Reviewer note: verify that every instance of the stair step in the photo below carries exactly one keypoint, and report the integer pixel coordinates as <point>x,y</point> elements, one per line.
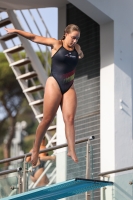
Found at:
<point>33,88</point>
<point>20,62</point>
<point>27,75</point>
<point>8,36</point>
<point>37,102</point>
<point>14,49</point>
<point>39,116</point>
<point>4,22</point>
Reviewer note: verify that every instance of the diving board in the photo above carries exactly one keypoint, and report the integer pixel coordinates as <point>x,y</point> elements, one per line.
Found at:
<point>61,190</point>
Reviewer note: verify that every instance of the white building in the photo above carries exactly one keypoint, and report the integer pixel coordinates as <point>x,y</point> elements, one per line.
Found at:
<point>104,85</point>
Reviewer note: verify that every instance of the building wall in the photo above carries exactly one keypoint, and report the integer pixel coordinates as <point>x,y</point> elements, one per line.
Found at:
<point>104,12</point>
<point>87,86</point>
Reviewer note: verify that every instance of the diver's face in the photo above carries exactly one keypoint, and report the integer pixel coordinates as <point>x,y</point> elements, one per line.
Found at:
<point>72,38</point>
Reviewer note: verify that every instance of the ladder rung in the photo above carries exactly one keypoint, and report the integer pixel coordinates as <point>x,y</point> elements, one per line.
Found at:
<point>33,88</point>
<point>39,116</point>
<point>8,36</point>
<point>20,62</point>
<point>52,128</point>
<point>27,75</point>
<point>14,49</point>
<point>37,102</point>
<point>5,22</point>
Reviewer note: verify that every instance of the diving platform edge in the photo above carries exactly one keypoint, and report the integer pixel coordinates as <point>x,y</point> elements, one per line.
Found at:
<point>61,190</point>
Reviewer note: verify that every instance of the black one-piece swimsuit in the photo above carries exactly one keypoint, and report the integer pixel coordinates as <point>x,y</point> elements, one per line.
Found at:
<point>63,68</point>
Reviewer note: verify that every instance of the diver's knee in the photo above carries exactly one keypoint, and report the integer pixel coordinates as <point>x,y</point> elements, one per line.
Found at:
<point>46,120</point>
<point>69,120</point>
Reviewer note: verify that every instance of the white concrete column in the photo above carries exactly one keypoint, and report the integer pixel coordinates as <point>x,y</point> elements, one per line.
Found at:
<point>107,97</point>
<point>107,110</point>
<point>61,154</point>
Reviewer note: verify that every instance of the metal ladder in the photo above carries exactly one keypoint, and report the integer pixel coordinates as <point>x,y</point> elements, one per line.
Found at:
<point>28,70</point>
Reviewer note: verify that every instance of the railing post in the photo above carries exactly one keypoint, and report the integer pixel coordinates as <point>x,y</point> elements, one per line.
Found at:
<point>19,179</point>
<point>24,175</point>
<point>88,197</point>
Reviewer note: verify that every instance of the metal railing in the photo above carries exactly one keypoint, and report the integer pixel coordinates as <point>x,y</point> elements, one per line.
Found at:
<point>47,150</point>
<point>120,184</point>
<point>115,171</point>
<point>22,171</point>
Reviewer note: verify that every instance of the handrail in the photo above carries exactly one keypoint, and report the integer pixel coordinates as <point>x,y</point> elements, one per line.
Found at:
<point>115,171</point>
<point>46,150</point>
<point>10,171</point>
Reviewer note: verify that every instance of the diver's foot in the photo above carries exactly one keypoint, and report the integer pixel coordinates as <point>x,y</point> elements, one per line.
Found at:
<point>34,158</point>
<point>68,154</point>
<point>73,156</point>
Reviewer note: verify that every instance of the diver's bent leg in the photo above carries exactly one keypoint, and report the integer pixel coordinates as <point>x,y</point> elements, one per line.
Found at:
<point>52,99</point>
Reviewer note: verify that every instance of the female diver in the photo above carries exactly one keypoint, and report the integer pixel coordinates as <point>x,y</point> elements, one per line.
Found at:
<point>59,88</point>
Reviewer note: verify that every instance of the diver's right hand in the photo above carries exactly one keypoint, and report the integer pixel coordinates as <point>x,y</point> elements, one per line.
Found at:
<point>10,30</point>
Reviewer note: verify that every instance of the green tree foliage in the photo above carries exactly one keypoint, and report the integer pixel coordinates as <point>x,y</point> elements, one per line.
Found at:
<point>11,97</point>
<point>10,92</point>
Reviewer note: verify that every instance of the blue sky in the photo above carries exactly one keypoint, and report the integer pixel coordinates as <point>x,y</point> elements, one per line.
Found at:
<point>50,17</point>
